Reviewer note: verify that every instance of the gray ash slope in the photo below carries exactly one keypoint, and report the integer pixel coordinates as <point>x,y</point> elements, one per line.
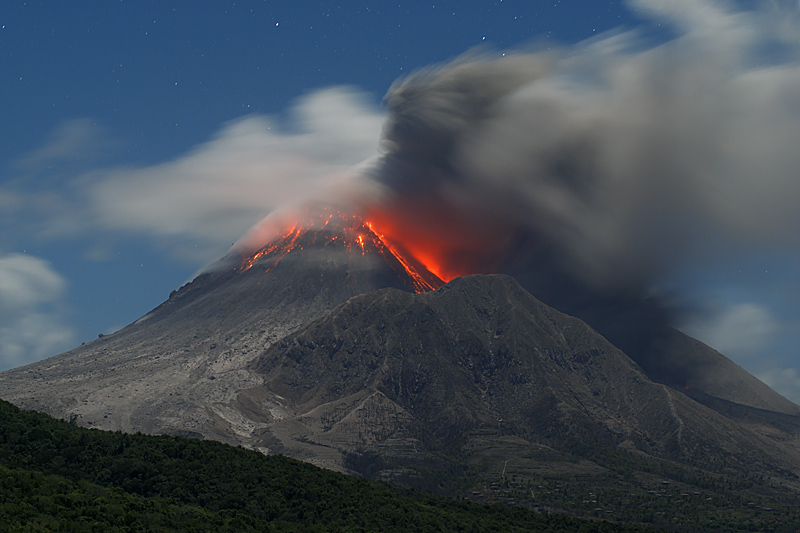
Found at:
<point>640,327</point>
<point>300,355</point>
<point>480,369</point>
<point>177,369</point>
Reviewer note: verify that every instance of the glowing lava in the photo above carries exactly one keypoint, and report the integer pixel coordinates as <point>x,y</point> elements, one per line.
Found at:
<point>351,232</point>
<point>419,281</point>
<point>450,241</point>
<point>282,247</point>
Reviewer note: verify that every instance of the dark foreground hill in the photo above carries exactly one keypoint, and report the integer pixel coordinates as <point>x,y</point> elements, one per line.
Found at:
<point>57,476</point>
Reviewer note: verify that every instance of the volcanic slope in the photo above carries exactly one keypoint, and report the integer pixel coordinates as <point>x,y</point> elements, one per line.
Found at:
<point>639,326</point>
<point>480,371</point>
<point>177,369</point>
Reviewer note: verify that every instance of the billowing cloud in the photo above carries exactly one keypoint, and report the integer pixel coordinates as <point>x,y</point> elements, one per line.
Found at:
<point>626,161</point>
<point>603,169</point>
<point>32,325</point>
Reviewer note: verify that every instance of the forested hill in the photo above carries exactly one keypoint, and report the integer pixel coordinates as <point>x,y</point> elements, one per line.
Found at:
<point>56,475</point>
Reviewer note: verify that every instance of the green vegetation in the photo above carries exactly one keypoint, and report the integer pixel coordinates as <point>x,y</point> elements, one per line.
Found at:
<point>33,501</point>
<point>649,501</point>
<point>57,476</point>
<point>650,492</point>
<point>611,485</point>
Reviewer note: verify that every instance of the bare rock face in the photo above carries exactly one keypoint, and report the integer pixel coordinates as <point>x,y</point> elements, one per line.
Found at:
<point>325,347</point>
<point>682,361</point>
<point>179,368</point>
<point>411,378</point>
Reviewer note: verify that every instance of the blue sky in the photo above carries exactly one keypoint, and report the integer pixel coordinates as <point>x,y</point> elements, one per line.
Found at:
<point>141,139</point>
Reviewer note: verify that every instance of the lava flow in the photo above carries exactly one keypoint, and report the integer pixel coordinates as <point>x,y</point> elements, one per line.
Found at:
<point>354,234</point>
<point>450,240</point>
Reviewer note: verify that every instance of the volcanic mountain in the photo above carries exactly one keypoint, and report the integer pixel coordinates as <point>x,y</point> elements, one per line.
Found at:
<point>335,346</point>
<point>178,368</point>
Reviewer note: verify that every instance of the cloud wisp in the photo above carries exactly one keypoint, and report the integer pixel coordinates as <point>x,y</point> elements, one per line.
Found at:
<point>739,331</point>
<point>783,380</point>
<point>32,324</point>
<point>196,205</point>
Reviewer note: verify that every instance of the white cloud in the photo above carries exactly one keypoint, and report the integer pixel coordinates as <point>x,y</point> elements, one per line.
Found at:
<point>213,194</point>
<point>786,381</point>
<point>741,331</point>
<point>72,141</point>
<point>199,203</point>
<point>31,303</point>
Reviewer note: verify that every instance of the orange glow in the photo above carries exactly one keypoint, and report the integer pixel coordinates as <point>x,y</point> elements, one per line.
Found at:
<point>449,241</point>
<point>282,246</point>
<point>419,282</point>
<point>354,234</point>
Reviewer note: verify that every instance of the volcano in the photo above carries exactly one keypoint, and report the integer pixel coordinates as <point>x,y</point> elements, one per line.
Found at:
<point>334,345</point>
<point>176,369</point>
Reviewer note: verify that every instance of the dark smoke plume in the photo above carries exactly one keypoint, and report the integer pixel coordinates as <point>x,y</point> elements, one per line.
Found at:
<point>591,174</point>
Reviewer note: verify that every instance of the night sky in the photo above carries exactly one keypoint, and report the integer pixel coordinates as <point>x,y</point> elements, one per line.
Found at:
<point>134,134</point>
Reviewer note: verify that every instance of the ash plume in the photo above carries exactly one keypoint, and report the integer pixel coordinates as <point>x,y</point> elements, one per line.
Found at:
<point>625,161</point>
<point>593,172</point>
